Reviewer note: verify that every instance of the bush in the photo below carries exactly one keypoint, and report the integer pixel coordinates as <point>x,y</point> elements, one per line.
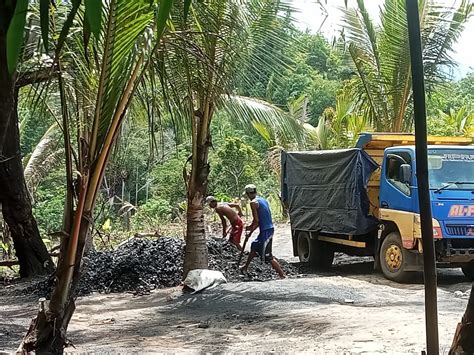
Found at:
<point>233,165</point>
<point>151,214</point>
<point>49,199</point>
<point>168,184</point>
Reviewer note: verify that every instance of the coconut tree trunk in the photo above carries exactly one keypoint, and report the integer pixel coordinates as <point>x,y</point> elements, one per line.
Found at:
<point>31,252</point>
<point>47,332</point>
<point>463,342</point>
<point>195,256</point>
<point>16,206</point>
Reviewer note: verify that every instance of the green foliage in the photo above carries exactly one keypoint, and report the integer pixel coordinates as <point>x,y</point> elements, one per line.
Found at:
<point>167,179</point>
<point>44,20</point>
<point>222,197</point>
<point>32,128</point>
<point>305,80</point>
<point>233,165</point>
<point>452,95</point>
<point>315,70</point>
<point>151,214</point>
<point>293,70</point>
<point>453,123</point>
<point>93,15</point>
<point>337,127</point>
<point>49,202</point>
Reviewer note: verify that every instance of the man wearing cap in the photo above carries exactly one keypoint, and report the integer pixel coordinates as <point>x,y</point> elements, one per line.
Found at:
<point>226,210</point>
<point>262,219</point>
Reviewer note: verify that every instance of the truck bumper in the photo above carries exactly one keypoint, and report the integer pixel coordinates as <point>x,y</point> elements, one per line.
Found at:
<point>450,253</point>
<point>455,251</point>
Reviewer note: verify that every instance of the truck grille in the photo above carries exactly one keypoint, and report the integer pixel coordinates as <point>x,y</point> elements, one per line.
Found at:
<point>456,229</point>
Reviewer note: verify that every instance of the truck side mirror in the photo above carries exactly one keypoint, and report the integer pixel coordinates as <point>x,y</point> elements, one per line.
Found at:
<point>405,173</point>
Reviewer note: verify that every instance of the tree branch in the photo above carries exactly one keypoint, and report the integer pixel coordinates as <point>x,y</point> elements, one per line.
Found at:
<point>36,76</point>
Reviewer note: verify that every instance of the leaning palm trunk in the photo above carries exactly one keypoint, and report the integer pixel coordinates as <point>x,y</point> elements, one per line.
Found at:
<point>463,342</point>
<point>30,250</point>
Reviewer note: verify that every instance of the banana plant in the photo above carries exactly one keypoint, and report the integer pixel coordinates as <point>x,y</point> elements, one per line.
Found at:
<point>103,88</point>
<point>462,120</point>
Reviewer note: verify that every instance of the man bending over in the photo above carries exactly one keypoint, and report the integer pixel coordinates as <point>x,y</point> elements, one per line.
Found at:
<point>226,211</point>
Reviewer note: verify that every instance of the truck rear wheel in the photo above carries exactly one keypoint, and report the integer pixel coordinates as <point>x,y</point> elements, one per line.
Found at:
<point>314,252</point>
<point>468,270</point>
<point>392,258</point>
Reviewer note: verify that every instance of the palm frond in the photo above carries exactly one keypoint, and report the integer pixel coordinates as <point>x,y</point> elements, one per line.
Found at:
<point>127,22</point>
<point>381,56</point>
<point>318,136</point>
<point>251,112</point>
<point>203,58</point>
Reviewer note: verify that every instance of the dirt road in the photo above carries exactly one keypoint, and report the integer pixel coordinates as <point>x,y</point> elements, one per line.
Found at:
<point>350,309</point>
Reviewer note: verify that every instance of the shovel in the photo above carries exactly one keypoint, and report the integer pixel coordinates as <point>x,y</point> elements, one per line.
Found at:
<point>247,236</point>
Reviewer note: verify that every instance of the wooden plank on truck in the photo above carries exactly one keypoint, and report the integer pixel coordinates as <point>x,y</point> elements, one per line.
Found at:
<point>351,243</point>
<point>375,141</point>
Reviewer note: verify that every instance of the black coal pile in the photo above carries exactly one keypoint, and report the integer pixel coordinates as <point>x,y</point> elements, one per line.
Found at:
<point>139,265</point>
<point>142,265</point>
<point>223,257</point>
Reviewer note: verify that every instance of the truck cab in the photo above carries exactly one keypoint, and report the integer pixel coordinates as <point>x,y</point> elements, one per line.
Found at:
<point>451,180</point>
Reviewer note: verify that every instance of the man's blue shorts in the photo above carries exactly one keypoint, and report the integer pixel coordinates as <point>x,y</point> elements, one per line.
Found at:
<point>263,245</point>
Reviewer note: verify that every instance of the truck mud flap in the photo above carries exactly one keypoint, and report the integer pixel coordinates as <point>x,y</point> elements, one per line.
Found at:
<point>413,261</point>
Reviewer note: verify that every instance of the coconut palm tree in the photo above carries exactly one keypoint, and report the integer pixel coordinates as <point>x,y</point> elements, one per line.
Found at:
<point>199,64</point>
<point>380,56</point>
<point>102,88</point>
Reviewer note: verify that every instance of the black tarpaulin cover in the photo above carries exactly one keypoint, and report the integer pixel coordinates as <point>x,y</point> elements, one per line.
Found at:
<point>327,190</point>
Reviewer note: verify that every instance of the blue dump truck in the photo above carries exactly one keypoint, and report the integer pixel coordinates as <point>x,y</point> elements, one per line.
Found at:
<point>364,202</point>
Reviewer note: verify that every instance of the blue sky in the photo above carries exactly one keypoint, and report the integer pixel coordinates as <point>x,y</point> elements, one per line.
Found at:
<point>310,16</point>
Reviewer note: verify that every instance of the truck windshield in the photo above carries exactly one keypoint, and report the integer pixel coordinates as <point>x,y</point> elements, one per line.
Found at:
<point>451,169</point>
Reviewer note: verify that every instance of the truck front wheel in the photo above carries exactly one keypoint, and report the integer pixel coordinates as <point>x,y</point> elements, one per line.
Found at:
<point>392,258</point>
<point>468,270</point>
<point>314,252</point>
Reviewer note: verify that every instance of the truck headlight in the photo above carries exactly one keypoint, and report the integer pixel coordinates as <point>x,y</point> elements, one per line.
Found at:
<point>437,233</point>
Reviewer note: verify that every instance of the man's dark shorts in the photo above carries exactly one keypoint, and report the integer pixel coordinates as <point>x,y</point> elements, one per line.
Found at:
<point>263,245</point>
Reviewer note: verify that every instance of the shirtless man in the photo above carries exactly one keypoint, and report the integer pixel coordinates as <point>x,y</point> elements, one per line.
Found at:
<point>226,211</point>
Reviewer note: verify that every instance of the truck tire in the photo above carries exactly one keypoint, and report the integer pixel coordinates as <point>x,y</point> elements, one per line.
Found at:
<point>306,248</point>
<point>314,252</point>
<point>392,258</point>
<point>468,270</point>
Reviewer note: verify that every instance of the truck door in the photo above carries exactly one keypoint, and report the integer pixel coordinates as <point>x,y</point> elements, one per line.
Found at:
<point>396,194</point>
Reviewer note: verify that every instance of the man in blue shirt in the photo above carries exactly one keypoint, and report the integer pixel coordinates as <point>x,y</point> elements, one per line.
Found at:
<point>261,219</point>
